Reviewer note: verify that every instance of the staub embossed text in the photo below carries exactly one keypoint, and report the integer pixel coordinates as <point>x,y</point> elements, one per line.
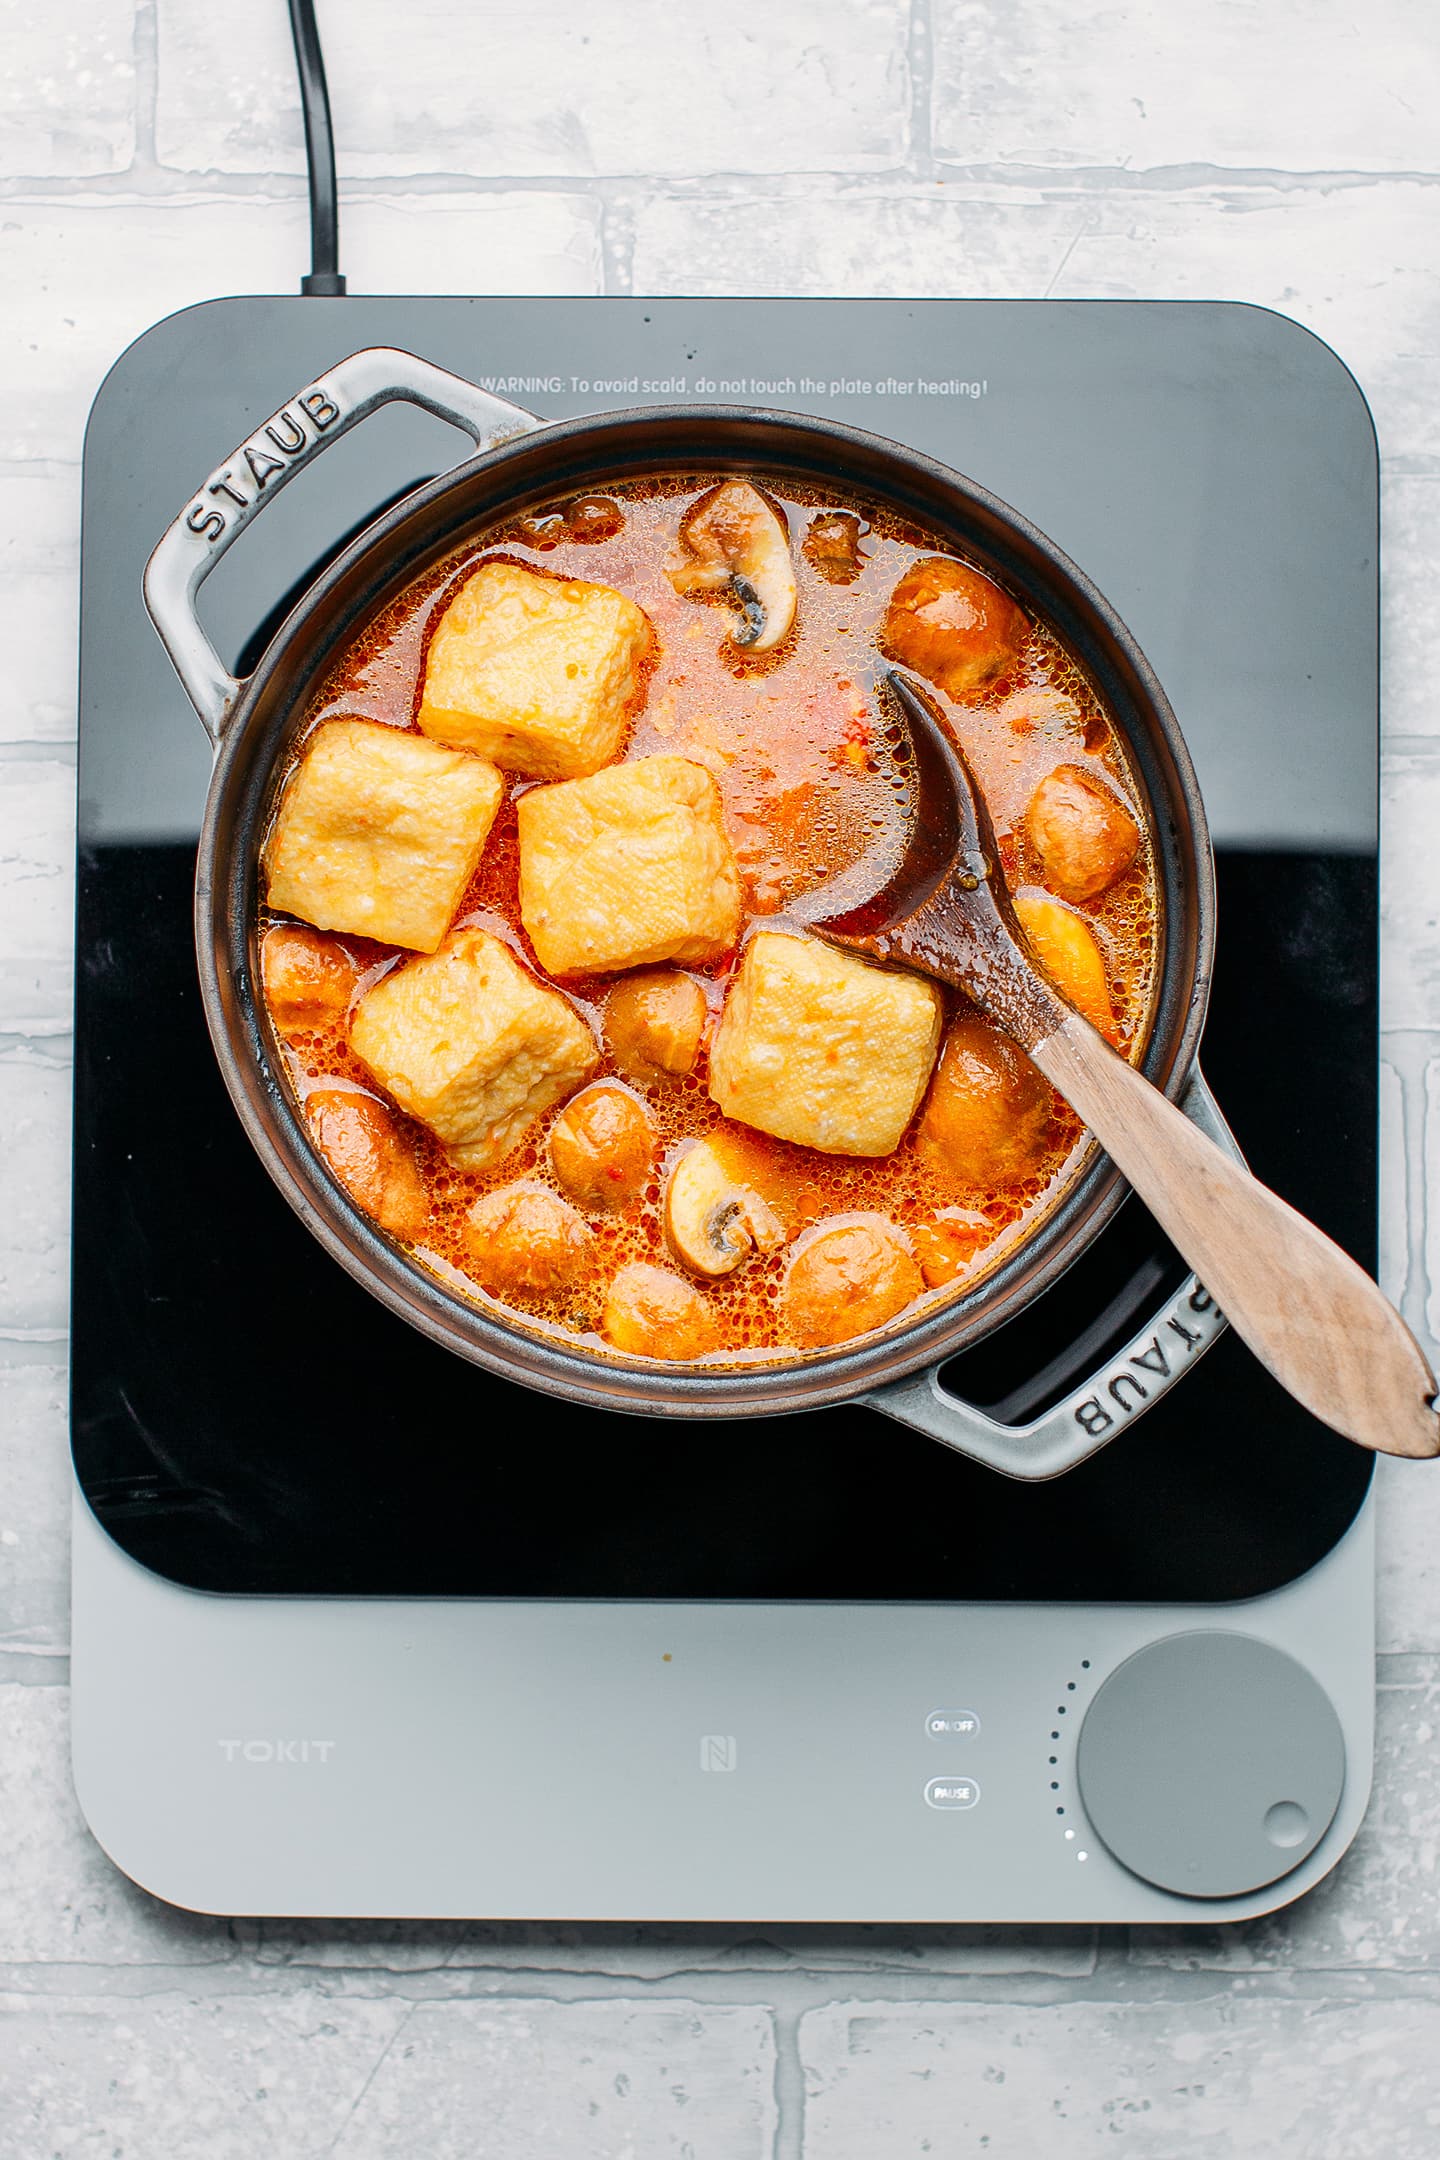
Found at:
<point>1191,1324</point>
<point>272,449</point>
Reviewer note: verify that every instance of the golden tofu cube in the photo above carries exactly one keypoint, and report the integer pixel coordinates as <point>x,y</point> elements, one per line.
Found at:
<point>626,868</point>
<point>379,833</point>
<point>469,1043</point>
<point>823,1049</point>
<point>540,674</point>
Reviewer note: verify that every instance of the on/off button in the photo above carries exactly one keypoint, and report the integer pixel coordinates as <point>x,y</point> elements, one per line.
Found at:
<point>952,1724</point>
<point>951,1792</point>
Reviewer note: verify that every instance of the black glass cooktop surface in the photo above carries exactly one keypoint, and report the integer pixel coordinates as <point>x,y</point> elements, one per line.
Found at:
<point>245,1418</point>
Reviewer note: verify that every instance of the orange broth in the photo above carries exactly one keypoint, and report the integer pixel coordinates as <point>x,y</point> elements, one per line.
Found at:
<point>792,741</point>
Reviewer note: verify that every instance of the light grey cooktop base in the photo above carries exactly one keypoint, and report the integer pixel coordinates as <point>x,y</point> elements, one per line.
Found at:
<point>536,1760</point>
<point>804,1762</point>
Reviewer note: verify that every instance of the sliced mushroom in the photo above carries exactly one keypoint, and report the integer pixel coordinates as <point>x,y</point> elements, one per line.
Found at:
<point>734,539</point>
<point>712,1222</point>
<point>832,546</point>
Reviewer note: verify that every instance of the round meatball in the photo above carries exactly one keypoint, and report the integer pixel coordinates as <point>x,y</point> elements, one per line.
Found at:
<point>651,1313</point>
<point>1084,835</point>
<point>602,1147</point>
<point>1067,950</point>
<point>987,1119</point>
<point>846,1280</point>
<point>364,1146</point>
<point>524,1241</point>
<point>653,1024</point>
<point>952,626</point>
<point>307,978</point>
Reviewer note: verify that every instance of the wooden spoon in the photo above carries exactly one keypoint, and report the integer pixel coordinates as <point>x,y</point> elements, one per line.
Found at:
<point>1309,1312</point>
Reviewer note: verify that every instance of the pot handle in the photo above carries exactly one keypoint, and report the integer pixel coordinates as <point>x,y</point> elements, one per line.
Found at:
<point>238,491</point>
<point>1130,1381</point>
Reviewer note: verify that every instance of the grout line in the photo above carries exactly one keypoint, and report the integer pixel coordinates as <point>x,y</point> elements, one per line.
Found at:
<point>47,468</point>
<point>920,62</point>
<point>20,1667</point>
<point>1400,1669</point>
<point>32,1350</point>
<point>1184,178</point>
<point>147,86</point>
<point>58,750</point>
<point>1159,1986</point>
<point>618,219</point>
<point>789,2085</point>
<point>1414,1197</point>
<point>48,1040</point>
<point>149,180</point>
<point>1408,1052</point>
<point>1423,1141</point>
<point>1406,1057</point>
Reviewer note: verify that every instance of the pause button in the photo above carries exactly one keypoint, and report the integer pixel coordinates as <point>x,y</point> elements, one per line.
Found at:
<point>952,1792</point>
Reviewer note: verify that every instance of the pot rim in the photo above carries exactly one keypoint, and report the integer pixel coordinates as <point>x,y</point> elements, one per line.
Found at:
<point>362,575</point>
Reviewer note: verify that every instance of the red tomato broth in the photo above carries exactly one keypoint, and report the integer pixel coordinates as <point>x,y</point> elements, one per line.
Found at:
<point>790,738</point>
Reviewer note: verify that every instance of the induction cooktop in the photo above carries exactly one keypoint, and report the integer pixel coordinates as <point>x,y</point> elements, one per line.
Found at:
<point>361,1628</point>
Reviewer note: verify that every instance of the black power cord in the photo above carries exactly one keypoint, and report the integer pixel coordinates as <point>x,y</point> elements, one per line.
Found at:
<point>324,275</point>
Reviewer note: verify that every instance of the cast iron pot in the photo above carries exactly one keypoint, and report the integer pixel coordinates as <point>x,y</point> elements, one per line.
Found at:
<point>519,461</point>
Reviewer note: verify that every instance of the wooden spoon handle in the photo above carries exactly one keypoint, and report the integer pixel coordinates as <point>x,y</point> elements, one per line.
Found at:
<point>1308,1311</point>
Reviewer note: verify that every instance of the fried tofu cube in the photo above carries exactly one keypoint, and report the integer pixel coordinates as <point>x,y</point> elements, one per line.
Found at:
<point>823,1049</point>
<point>539,674</point>
<point>627,868</point>
<point>379,833</point>
<point>469,1043</point>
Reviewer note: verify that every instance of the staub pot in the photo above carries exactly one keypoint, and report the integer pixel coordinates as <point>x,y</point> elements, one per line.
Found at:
<point>519,461</point>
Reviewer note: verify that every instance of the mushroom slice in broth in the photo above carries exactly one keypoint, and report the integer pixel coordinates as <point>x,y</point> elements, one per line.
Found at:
<point>713,1222</point>
<point>733,539</point>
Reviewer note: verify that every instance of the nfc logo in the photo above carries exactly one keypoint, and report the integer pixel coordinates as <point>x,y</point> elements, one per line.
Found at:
<point>717,1751</point>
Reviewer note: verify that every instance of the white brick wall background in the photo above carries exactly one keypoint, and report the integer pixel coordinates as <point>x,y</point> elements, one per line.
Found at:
<point>1280,151</point>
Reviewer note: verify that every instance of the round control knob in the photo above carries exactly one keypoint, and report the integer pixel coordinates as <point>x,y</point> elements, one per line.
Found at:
<point>1211,1764</point>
